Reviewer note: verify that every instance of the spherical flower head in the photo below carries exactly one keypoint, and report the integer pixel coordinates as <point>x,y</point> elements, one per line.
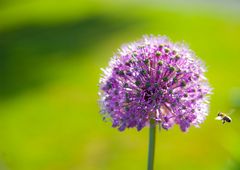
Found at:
<point>154,78</point>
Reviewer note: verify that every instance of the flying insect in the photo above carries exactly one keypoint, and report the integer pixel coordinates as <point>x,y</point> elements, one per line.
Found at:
<point>223,117</point>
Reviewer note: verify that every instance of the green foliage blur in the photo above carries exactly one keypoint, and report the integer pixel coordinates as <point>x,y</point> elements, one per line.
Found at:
<point>51,53</point>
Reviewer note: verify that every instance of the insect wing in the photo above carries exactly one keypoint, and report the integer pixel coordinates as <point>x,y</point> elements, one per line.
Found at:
<point>231,111</point>
<point>218,118</point>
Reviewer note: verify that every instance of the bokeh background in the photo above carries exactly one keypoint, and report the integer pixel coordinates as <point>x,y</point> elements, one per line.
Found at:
<point>51,53</point>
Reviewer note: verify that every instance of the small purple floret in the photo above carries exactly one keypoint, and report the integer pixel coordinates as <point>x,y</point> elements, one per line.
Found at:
<point>154,78</point>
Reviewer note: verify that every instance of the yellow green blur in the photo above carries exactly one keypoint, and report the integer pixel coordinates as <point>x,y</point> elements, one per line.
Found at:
<point>51,53</point>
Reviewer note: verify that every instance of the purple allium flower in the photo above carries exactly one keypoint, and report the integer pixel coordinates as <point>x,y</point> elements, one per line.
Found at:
<point>154,78</point>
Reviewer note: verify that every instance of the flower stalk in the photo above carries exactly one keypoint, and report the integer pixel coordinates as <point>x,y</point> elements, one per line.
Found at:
<point>151,146</point>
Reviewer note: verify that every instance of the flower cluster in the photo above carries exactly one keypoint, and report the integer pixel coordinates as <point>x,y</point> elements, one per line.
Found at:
<point>154,78</point>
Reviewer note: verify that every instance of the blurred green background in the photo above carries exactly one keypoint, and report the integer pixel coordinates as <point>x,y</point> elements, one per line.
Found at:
<point>51,53</point>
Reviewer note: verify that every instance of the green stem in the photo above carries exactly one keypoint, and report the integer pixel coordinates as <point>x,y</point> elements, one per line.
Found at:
<point>151,146</point>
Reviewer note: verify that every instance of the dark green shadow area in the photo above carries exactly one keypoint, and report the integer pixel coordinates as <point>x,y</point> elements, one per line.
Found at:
<point>27,51</point>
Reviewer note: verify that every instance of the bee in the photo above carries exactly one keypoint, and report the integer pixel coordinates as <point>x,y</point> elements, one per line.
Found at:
<point>223,117</point>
